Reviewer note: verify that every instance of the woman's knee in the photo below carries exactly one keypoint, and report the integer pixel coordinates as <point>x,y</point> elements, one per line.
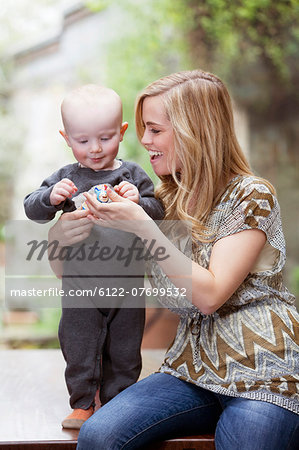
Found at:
<point>94,436</point>
<point>251,425</point>
<point>85,439</point>
<point>113,424</point>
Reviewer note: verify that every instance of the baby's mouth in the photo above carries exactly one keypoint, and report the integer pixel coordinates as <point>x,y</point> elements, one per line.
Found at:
<point>95,159</point>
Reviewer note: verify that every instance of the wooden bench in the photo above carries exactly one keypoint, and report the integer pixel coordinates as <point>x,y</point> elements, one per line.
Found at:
<point>34,400</point>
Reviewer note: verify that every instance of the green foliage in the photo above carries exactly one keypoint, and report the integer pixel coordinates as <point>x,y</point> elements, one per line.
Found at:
<point>48,321</point>
<point>2,236</point>
<point>250,28</point>
<point>97,5</point>
<point>252,44</point>
<point>295,281</point>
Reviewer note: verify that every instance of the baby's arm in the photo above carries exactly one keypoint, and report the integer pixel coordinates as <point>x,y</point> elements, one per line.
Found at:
<point>127,190</point>
<point>37,204</point>
<point>151,205</point>
<point>61,191</point>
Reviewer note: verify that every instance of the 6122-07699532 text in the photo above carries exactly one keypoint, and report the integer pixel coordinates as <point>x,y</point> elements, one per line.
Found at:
<point>99,291</point>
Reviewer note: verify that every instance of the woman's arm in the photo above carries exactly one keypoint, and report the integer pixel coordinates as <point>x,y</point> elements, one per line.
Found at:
<point>70,229</point>
<point>231,259</point>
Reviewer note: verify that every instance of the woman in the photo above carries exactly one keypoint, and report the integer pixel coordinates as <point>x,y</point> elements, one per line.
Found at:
<point>233,366</point>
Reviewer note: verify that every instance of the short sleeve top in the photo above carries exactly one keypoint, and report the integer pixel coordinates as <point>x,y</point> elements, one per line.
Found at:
<point>249,346</point>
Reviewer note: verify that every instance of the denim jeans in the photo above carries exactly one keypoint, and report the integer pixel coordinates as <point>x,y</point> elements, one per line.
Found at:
<point>162,407</point>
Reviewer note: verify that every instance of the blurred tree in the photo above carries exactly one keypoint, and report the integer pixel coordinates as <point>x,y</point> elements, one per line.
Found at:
<point>253,45</point>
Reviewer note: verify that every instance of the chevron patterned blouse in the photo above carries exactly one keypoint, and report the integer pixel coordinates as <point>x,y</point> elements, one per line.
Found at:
<point>249,347</point>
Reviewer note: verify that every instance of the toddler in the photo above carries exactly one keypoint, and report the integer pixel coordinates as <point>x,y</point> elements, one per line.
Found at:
<point>101,345</point>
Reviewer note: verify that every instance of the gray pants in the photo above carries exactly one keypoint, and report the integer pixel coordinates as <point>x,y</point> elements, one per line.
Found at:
<point>101,347</point>
<point>100,335</point>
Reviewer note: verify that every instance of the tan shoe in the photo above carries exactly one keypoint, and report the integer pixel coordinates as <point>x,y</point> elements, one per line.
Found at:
<point>77,418</point>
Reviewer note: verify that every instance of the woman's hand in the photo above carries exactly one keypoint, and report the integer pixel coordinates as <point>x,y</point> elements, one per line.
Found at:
<point>121,213</point>
<point>71,228</point>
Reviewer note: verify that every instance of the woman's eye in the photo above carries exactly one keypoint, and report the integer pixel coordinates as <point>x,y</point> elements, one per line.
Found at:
<point>154,131</point>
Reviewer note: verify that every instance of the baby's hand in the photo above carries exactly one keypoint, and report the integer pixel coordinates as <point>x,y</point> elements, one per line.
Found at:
<point>127,190</point>
<point>62,190</point>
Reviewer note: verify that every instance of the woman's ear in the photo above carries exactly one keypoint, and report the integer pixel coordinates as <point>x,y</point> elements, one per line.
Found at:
<point>123,129</point>
<point>65,136</point>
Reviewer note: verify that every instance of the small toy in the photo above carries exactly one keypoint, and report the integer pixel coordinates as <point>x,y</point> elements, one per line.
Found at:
<point>99,191</point>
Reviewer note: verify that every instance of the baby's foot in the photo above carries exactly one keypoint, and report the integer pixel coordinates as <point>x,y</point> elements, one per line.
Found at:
<point>77,418</point>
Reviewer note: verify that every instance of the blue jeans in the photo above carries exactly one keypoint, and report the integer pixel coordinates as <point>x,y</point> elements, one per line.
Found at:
<point>162,407</point>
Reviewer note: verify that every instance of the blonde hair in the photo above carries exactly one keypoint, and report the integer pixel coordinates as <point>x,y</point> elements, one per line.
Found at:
<point>199,108</point>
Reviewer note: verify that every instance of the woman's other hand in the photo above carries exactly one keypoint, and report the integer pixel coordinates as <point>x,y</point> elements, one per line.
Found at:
<point>71,228</point>
<point>121,213</point>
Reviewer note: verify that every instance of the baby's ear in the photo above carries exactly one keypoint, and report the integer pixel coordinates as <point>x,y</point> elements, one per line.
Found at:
<point>65,136</point>
<point>123,129</point>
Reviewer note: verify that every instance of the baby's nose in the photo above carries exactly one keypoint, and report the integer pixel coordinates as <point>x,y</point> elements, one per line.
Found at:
<point>96,146</point>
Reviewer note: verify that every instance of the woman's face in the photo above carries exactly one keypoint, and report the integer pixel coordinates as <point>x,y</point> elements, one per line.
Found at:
<point>158,136</point>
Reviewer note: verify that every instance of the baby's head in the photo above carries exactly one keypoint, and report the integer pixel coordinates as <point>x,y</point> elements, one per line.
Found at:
<point>93,127</point>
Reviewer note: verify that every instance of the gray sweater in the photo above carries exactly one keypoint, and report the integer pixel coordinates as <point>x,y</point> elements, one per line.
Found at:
<point>37,204</point>
<point>94,271</point>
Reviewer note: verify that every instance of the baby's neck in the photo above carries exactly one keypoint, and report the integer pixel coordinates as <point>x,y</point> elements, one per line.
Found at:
<point>116,165</point>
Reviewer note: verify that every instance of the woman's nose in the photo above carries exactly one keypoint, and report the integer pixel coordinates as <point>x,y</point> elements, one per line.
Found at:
<point>145,138</point>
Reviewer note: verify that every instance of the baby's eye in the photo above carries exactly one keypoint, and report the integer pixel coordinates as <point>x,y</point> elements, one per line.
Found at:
<point>83,141</point>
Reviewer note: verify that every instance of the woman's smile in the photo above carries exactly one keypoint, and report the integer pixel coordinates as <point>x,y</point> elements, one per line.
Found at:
<point>154,155</point>
<point>158,138</point>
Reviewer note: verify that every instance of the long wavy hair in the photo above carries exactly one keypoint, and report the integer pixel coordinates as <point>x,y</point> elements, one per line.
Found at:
<point>199,108</point>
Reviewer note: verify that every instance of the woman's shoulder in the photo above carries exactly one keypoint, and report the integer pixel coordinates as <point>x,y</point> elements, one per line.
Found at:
<point>246,187</point>
<point>249,202</point>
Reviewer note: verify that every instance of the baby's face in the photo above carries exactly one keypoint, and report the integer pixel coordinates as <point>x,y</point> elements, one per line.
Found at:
<point>94,133</point>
